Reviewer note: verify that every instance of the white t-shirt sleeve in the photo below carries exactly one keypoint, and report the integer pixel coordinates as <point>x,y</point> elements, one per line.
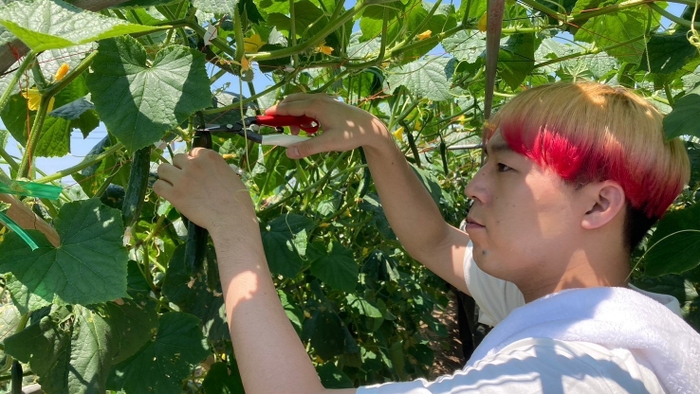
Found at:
<point>539,365</point>
<point>496,297</point>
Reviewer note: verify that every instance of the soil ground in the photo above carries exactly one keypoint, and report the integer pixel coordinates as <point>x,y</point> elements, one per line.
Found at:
<point>448,351</point>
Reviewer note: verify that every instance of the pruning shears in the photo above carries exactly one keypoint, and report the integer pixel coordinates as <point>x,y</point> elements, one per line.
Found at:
<point>196,245</point>
<point>249,126</point>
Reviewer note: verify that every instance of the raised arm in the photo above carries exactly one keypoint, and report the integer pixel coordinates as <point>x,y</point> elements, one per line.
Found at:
<point>411,211</point>
<point>271,357</point>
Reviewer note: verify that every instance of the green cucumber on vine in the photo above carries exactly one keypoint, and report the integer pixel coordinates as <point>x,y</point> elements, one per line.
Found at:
<point>138,184</point>
<point>366,179</point>
<point>197,237</point>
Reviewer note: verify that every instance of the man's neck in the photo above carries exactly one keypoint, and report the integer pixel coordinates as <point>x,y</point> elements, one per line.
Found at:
<point>584,270</point>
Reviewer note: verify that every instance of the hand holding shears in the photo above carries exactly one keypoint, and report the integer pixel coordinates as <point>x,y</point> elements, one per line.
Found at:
<point>196,245</point>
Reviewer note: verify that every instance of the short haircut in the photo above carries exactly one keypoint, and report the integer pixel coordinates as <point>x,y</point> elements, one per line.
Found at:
<point>587,132</point>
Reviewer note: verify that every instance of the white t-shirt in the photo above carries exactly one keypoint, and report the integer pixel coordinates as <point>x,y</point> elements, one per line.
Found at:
<point>534,365</point>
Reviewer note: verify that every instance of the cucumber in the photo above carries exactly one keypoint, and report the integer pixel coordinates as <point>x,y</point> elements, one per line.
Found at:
<point>197,237</point>
<point>195,247</point>
<point>17,376</point>
<point>366,179</point>
<point>138,184</point>
<point>113,196</point>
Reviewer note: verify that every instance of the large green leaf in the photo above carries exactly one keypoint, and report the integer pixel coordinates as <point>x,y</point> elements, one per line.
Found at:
<point>139,102</point>
<point>284,240</point>
<point>612,30</point>
<point>466,46</point>
<point>88,267</point>
<point>675,245</point>
<point>325,331</point>
<point>667,53</point>
<point>685,117</point>
<point>194,294</point>
<point>55,133</point>
<point>363,307</point>
<point>332,377</point>
<point>162,365</point>
<point>9,321</point>
<point>223,379</point>
<point>5,35</point>
<point>22,298</point>
<point>132,323</point>
<point>45,345</point>
<point>72,352</point>
<point>216,6</point>
<point>52,24</point>
<point>516,58</point>
<point>426,78</point>
<point>419,17</point>
<point>336,267</point>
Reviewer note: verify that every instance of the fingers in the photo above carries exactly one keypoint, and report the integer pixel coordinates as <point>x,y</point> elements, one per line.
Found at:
<point>163,188</point>
<point>309,147</point>
<point>172,173</point>
<point>298,104</point>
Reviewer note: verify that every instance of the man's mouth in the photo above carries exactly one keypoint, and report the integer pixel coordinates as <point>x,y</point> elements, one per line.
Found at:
<point>473,223</point>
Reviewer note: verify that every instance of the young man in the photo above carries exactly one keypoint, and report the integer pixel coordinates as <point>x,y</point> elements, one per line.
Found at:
<point>575,175</point>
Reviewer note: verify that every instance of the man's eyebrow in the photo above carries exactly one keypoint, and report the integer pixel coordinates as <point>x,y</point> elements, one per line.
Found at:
<point>490,149</point>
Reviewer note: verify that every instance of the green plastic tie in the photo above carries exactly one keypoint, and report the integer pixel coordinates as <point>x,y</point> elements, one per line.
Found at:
<point>31,189</point>
<point>12,225</point>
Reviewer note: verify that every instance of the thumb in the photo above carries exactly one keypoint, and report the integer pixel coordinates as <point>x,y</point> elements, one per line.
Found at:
<point>304,149</point>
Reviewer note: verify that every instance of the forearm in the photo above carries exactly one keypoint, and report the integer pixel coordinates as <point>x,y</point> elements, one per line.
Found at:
<point>411,211</point>
<point>270,355</point>
<point>401,193</point>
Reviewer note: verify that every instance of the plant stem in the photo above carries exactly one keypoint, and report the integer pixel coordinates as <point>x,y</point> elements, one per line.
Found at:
<point>236,105</point>
<point>238,33</point>
<point>82,165</point>
<point>71,76</point>
<point>669,95</point>
<point>325,178</point>
<point>293,32</point>
<point>588,52</point>
<point>543,8</point>
<point>28,60</point>
<point>671,17</point>
<point>8,159</point>
<point>26,163</point>
<point>313,41</point>
<point>583,16</point>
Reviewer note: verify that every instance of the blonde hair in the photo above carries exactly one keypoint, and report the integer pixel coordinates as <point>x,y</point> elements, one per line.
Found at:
<point>587,132</point>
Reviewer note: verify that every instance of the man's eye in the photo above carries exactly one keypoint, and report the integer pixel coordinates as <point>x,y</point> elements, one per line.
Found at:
<point>503,168</point>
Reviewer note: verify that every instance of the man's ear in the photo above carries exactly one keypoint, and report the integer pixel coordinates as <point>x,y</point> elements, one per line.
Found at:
<point>605,201</point>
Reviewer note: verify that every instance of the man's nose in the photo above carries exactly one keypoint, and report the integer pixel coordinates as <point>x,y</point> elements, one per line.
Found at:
<point>476,188</point>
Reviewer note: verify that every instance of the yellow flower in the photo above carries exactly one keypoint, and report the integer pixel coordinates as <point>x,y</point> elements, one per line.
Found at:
<point>34,99</point>
<point>245,64</point>
<point>424,35</point>
<point>398,134</point>
<point>324,49</point>
<point>461,119</point>
<point>253,44</point>
<point>62,71</point>
<point>483,22</point>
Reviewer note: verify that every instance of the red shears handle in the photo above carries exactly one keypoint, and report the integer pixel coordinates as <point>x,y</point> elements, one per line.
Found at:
<point>309,125</point>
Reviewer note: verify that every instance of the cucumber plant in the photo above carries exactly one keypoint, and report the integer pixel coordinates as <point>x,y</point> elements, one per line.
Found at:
<point>116,306</point>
